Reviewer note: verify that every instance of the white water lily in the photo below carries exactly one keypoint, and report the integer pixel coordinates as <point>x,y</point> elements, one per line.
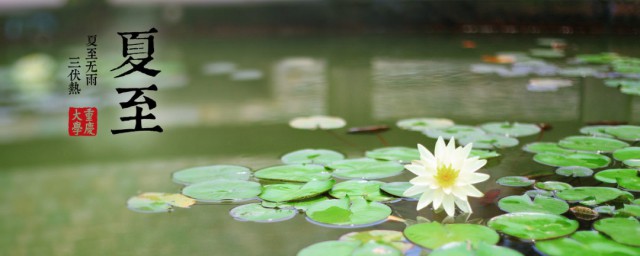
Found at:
<point>446,177</point>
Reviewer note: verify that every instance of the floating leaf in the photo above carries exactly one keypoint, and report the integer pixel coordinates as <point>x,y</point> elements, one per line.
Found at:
<point>596,130</point>
<point>605,209</point>
<point>291,192</point>
<point>625,132</point>
<point>301,205</point>
<point>398,189</point>
<point>547,84</point>
<point>257,213</point>
<point>585,243</point>
<point>153,202</point>
<point>483,154</point>
<point>370,190</point>
<point>365,168</point>
<point>622,230</point>
<point>541,204</point>
<point>635,163</point>
<point>213,172</point>
<point>533,226</point>
<point>630,210</point>
<point>223,190</point>
<point>433,235</point>
<point>511,129</point>
<point>294,173</point>
<point>388,237</point>
<point>631,90</point>
<point>591,195</point>
<point>552,185</point>
<point>584,213</point>
<point>489,141</point>
<point>592,144</point>
<point>545,147</point>
<point>515,181</point>
<point>457,131</point>
<point>588,160</point>
<point>421,124</point>
<point>402,154</point>
<point>630,153</point>
<point>574,171</point>
<point>578,72</point>
<point>337,248</point>
<point>348,212</point>
<point>479,249</point>
<point>317,122</point>
<point>374,248</point>
<point>536,192</point>
<point>311,156</point>
<point>546,53</point>
<point>626,178</point>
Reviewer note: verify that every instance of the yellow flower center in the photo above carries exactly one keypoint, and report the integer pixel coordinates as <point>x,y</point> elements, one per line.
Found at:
<point>446,176</point>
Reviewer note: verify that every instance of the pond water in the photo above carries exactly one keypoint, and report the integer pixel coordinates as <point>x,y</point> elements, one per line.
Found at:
<point>67,196</point>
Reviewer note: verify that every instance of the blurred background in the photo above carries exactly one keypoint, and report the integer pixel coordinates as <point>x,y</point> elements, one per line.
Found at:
<point>234,72</point>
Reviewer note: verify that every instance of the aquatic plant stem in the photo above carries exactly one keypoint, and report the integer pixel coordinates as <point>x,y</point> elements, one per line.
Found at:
<point>384,142</point>
<point>343,140</point>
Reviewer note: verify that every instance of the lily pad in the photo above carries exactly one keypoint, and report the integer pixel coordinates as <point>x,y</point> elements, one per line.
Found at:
<point>537,192</point>
<point>457,131</point>
<point>421,124</point>
<point>489,141</point>
<point>515,181</point>
<point>574,171</point>
<point>388,237</point>
<point>622,230</point>
<point>477,249</point>
<point>291,192</point>
<point>589,160</point>
<point>630,210</point>
<point>541,204</point>
<point>585,243</point>
<point>337,248</point>
<point>635,163</point>
<point>365,168</point>
<point>398,189</point>
<point>257,213</point>
<point>312,156</point>
<point>433,234</point>
<point>592,144</point>
<point>213,172</point>
<point>402,154</point>
<point>370,190</point>
<point>348,212</point>
<point>625,132</point>
<point>374,248</point>
<point>552,185</point>
<point>293,173</point>
<point>546,147</point>
<point>631,90</point>
<point>317,122</point>
<point>301,205</point>
<point>533,226</point>
<point>223,191</point>
<point>153,202</point>
<point>591,195</point>
<point>511,129</point>
<point>626,178</point>
<point>596,130</point>
<point>483,154</point>
<point>627,154</point>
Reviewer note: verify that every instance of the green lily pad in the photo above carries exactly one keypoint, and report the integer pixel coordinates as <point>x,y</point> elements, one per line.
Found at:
<point>421,124</point>
<point>293,173</point>
<point>577,72</point>
<point>388,237</point>
<point>257,213</point>
<point>536,192</point>
<point>515,181</point>
<point>433,234</point>
<point>398,189</point>
<point>374,248</point>
<point>291,192</point>
<point>621,82</point>
<point>585,243</point>
<point>311,156</point>
<point>626,178</point>
<point>546,147</point>
<point>630,210</point>
<point>636,201</point>
<point>622,230</point>
<point>635,163</point>
<point>365,168</point>
<point>301,205</point>
<point>483,154</point>
<point>596,130</point>
<point>348,212</point>
<point>402,154</point>
<point>589,160</point>
<point>457,131</point>
<point>591,195</point>
<point>317,122</point>
<point>631,90</point>
<point>574,171</point>
<point>592,144</point>
<point>213,172</point>
<point>546,53</point>
<point>489,141</point>
<point>337,248</point>
<point>369,189</point>
<point>153,202</point>
<point>533,226</point>
<point>511,129</point>
<point>477,249</point>
<point>605,209</point>
<point>627,153</point>
<point>552,185</point>
<point>625,132</point>
<point>541,204</point>
<point>223,191</point>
